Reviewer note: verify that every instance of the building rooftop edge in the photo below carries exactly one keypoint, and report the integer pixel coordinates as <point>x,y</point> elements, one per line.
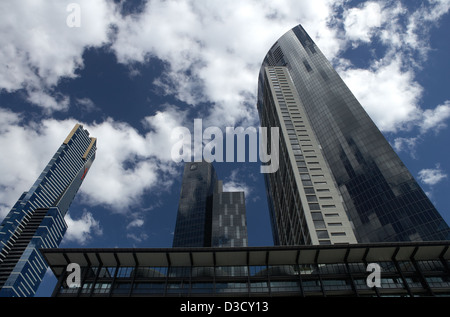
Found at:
<point>254,248</point>
<point>58,259</point>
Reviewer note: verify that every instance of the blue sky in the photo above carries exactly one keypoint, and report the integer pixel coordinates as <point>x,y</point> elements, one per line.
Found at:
<point>133,71</point>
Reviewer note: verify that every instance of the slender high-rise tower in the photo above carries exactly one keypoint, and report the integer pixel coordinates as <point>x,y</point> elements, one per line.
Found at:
<point>229,223</point>
<point>334,161</point>
<point>207,216</point>
<point>37,219</point>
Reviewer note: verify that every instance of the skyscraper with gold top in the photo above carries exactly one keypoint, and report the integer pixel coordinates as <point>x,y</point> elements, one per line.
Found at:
<point>37,219</point>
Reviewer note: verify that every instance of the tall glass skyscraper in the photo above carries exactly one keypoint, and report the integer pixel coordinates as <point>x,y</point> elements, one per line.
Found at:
<point>207,216</point>
<point>37,219</point>
<point>334,161</point>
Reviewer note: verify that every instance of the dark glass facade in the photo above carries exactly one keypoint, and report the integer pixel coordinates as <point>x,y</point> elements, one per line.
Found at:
<point>37,219</point>
<point>207,216</point>
<point>305,204</point>
<point>381,197</point>
<point>408,269</point>
<point>193,225</point>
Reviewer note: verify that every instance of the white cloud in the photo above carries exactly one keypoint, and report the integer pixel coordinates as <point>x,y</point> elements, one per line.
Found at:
<point>81,230</point>
<point>420,22</point>
<point>234,184</point>
<point>433,119</point>
<point>37,48</point>
<point>389,94</point>
<point>135,223</point>
<point>207,44</point>
<point>360,22</point>
<point>137,237</point>
<point>47,101</point>
<point>388,89</point>
<point>213,43</point>
<point>406,144</point>
<point>213,51</point>
<point>127,163</point>
<point>432,176</point>
<point>392,97</point>
<point>31,147</point>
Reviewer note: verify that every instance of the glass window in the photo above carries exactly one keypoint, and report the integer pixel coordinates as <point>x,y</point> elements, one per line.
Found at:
<point>234,288</point>
<point>336,284</point>
<point>357,267</point>
<point>284,286</point>
<point>305,177</point>
<point>259,287</point>
<point>102,288</point>
<point>258,270</point>
<point>156,288</point>
<point>314,206</point>
<point>319,224</point>
<point>309,190</point>
<point>438,281</point>
<point>122,288</point>
<point>322,234</point>
<point>125,271</point>
<point>391,282</point>
<point>201,288</point>
<point>338,234</point>
<point>316,216</point>
<point>178,288</point>
<point>313,285</point>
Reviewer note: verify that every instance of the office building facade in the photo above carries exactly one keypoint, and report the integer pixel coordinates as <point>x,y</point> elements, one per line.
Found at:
<point>305,205</point>
<point>37,219</point>
<point>193,224</point>
<point>229,222</point>
<point>207,216</point>
<point>334,157</point>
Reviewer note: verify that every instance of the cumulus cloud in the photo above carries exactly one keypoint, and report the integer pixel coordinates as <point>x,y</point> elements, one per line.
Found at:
<point>434,119</point>
<point>135,223</point>
<point>214,42</point>
<point>406,145</point>
<point>32,147</point>
<point>48,101</point>
<point>234,184</point>
<point>432,176</point>
<point>37,48</point>
<point>360,22</point>
<point>389,94</point>
<point>127,163</point>
<point>212,51</point>
<point>81,230</point>
<point>137,237</point>
<point>388,89</point>
<point>207,44</point>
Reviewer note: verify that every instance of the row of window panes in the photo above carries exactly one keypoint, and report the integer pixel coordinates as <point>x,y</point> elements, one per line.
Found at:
<point>254,287</point>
